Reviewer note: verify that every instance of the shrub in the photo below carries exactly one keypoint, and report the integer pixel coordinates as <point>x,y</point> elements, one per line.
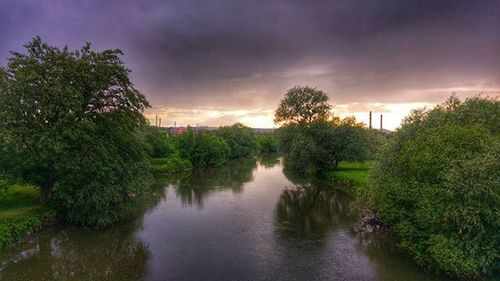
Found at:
<point>21,213</point>
<point>438,186</point>
<point>160,143</point>
<point>203,149</point>
<point>241,139</point>
<point>321,145</point>
<point>172,164</point>
<point>267,143</point>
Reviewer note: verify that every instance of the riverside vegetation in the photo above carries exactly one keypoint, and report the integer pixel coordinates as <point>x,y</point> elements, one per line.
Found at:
<point>74,144</point>
<point>435,181</point>
<point>74,141</point>
<point>438,186</point>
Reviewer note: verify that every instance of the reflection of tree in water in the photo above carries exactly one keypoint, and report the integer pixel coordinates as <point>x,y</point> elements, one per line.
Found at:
<point>391,262</point>
<point>85,254</point>
<point>295,177</point>
<point>269,160</point>
<point>80,254</point>
<point>193,188</point>
<point>310,211</point>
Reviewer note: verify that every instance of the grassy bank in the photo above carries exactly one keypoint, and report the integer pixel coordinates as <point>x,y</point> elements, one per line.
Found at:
<point>21,213</point>
<point>354,172</point>
<point>169,165</point>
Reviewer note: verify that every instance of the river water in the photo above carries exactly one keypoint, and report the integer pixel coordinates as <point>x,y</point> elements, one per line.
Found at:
<point>245,221</point>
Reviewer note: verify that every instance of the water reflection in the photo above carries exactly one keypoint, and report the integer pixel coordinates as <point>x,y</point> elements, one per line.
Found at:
<point>192,188</point>
<point>75,253</point>
<point>294,177</point>
<point>79,254</point>
<point>310,211</point>
<point>252,222</point>
<point>269,160</point>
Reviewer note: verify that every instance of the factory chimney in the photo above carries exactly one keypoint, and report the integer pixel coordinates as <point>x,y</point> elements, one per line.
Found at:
<point>370,126</point>
<point>381,122</point>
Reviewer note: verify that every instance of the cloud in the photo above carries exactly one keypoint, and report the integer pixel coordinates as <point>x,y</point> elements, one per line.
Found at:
<point>244,55</point>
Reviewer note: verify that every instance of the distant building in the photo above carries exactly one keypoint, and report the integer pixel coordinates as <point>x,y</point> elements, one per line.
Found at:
<point>176,131</point>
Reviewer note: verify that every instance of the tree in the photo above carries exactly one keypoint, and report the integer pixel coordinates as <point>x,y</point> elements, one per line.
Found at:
<point>311,139</point>
<point>267,143</point>
<point>160,142</point>
<point>72,124</point>
<point>321,146</point>
<point>241,139</point>
<point>302,105</point>
<point>438,186</point>
<point>203,149</point>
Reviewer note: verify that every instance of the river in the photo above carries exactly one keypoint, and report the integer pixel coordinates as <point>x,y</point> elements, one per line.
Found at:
<point>245,221</point>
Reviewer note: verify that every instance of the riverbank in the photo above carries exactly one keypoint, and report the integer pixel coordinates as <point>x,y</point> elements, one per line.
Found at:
<point>21,213</point>
<point>356,173</point>
<point>170,165</point>
<point>226,211</point>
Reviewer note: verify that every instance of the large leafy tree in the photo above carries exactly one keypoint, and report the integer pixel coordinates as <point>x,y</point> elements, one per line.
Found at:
<point>72,124</point>
<point>303,105</point>
<point>311,139</point>
<point>321,145</point>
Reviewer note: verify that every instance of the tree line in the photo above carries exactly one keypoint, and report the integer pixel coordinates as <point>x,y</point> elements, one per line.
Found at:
<point>210,148</point>
<point>71,123</point>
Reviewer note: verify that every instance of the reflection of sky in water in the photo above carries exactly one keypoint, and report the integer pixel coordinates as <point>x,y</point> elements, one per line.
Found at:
<point>244,221</point>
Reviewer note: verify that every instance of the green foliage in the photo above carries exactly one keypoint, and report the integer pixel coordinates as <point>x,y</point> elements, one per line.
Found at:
<point>203,149</point>
<point>438,186</point>
<point>241,139</point>
<point>321,145</point>
<point>171,164</point>
<point>160,142</point>
<point>72,124</point>
<point>21,213</point>
<point>302,105</point>
<point>311,139</point>
<point>3,186</point>
<point>267,143</point>
<point>356,173</point>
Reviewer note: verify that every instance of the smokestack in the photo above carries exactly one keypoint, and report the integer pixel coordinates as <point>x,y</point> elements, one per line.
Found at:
<point>156,122</point>
<point>381,122</point>
<point>159,124</point>
<point>370,120</point>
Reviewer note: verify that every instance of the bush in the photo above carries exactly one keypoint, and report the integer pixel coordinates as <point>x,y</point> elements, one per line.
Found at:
<point>321,145</point>
<point>160,143</point>
<point>438,186</point>
<point>241,139</point>
<point>168,165</point>
<point>267,143</point>
<point>3,186</point>
<point>21,213</point>
<point>203,149</point>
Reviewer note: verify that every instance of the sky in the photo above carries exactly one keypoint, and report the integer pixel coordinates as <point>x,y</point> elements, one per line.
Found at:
<point>214,63</point>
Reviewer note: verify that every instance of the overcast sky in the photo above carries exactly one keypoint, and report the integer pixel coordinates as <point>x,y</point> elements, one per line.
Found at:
<point>218,62</point>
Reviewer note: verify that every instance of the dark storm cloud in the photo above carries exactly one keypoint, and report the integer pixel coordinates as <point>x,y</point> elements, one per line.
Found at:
<point>245,54</point>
